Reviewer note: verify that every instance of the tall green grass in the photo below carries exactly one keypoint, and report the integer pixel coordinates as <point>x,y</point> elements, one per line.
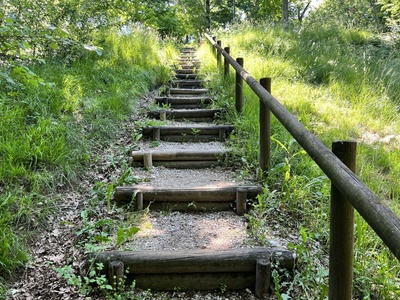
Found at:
<point>55,117</point>
<point>341,84</point>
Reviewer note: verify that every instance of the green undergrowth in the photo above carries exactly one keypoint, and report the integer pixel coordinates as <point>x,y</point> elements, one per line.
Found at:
<point>342,84</point>
<point>55,116</point>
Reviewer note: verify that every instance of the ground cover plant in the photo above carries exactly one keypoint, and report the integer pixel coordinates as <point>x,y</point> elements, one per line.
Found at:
<point>341,83</point>
<point>56,115</point>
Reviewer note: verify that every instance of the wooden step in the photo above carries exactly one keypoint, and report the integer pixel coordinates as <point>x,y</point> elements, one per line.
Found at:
<point>187,83</point>
<point>185,71</point>
<point>184,102</point>
<point>178,159</point>
<point>187,76</point>
<point>189,66</point>
<point>175,91</point>
<point>187,50</point>
<point>193,115</point>
<point>235,269</point>
<point>188,133</point>
<point>188,199</point>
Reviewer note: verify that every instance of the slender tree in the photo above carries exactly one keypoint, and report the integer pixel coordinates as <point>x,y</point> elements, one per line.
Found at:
<point>285,13</point>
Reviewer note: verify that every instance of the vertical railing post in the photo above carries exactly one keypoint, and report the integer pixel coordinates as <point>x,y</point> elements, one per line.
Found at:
<point>212,46</point>
<point>342,230</point>
<point>239,87</point>
<point>218,54</point>
<point>226,63</point>
<point>265,129</point>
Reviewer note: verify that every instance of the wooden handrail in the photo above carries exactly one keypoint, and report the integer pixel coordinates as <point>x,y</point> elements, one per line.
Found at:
<point>381,218</point>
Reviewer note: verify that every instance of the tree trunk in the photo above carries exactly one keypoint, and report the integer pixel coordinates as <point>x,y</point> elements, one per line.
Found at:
<point>376,16</point>
<point>285,13</point>
<point>303,12</point>
<point>208,15</point>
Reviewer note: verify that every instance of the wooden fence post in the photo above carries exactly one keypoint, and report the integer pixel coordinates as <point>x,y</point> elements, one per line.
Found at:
<point>265,129</point>
<point>342,230</point>
<point>226,63</point>
<point>239,87</point>
<point>212,46</point>
<point>218,54</point>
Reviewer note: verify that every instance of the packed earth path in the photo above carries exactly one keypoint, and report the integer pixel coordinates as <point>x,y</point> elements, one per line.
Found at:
<point>182,153</point>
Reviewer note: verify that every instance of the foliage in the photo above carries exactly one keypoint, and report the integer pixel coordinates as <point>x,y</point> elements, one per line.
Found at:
<point>46,108</point>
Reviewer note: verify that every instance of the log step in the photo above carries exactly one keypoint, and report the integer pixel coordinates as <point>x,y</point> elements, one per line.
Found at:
<point>189,66</point>
<point>196,269</point>
<point>188,133</point>
<point>189,199</point>
<point>178,159</point>
<point>187,76</point>
<point>193,115</point>
<point>184,102</point>
<point>188,83</point>
<point>185,71</point>
<point>173,91</point>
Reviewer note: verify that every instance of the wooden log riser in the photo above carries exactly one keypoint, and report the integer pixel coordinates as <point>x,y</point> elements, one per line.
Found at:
<point>187,76</point>
<point>187,85</point>
<point>185,71</point>
<point>189,61</point>
<point>188,91</point>
<point>181,164</point>
<point>189,106</point>
<point>180,155</point>
<point>199,113</point>
<point>188,206</point>
<point>183,99</point>
<point>188,64</point>
<point>206,129</point>
<point>183,119</point>
<point>191,130</point>
<point>228,194</point>
<point>182,102</point>
<point>196,261</point>
<point>187,101</point>
<point>200,282</point>
<point>190,138</point>
<point>188,82</point>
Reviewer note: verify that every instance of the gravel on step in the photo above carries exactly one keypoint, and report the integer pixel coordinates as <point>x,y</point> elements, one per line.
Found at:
<point>187,231</point>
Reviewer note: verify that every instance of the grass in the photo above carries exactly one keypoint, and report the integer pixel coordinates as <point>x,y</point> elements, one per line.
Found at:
<point>341,84</point>
<point>53,119</point>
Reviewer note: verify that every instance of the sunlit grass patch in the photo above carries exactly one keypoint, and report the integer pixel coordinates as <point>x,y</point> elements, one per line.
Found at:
<point>340,84</point>
<point>52,127</point>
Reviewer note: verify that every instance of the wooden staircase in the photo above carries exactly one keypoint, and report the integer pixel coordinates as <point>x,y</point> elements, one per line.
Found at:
<point>199,269</point>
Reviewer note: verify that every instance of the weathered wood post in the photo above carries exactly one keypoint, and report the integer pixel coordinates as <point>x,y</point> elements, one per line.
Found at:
<point>139,200</point>
<point>218,54</point>
<point>147,160</point>
<point>265,129</point>
<point>239,87</point>
<point>212,46</point>
<point>115,273</point>
<point>226,63</point>
<point>156,133</point>
<point>263,278</point>
<point>241,196</point>
<point>341,230</point>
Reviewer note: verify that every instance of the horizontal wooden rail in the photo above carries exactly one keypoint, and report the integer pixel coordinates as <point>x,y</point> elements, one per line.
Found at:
<point>381,218</point>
